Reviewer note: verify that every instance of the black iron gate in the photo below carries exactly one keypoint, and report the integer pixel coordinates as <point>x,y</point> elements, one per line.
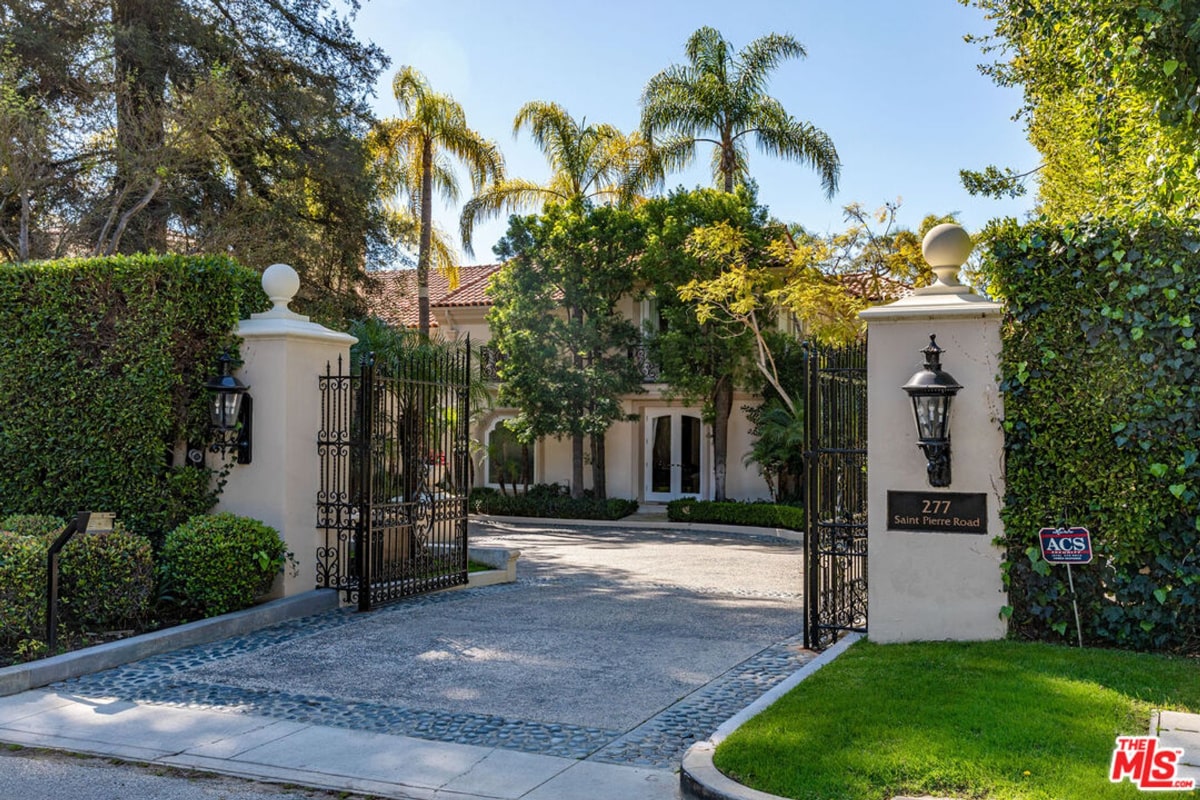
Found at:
<point>395,472</point>
<point>835,467</point>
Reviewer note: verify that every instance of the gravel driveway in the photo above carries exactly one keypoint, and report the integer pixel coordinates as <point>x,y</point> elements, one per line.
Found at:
<point>615,645</point>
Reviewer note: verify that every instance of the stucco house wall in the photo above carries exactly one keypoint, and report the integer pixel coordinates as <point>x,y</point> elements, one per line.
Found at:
<point>462,311</point>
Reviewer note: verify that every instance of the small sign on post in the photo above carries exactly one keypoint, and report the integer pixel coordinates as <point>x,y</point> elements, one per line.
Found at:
<point>1066,545</point>
<point>100,522</point>
<point>1063,545</point>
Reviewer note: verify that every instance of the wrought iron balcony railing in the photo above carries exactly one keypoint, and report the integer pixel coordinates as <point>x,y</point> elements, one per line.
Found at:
<point>490,358</point>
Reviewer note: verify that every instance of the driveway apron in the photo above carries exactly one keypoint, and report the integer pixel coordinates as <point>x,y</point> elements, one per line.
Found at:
<point>615,645</point>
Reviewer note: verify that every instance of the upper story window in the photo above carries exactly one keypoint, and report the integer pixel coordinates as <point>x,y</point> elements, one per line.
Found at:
<point>653,319</point>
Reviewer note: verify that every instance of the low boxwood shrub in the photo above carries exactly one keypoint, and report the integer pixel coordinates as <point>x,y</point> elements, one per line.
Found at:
<point>765,515</point>
<point>106,580</point>
<point>41,525</point>
<point>214,564</point>
<point>549,500</point>
<point>22,587</point>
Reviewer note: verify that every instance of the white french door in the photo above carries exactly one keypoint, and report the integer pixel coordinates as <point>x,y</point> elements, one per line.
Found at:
<point>676,458</point>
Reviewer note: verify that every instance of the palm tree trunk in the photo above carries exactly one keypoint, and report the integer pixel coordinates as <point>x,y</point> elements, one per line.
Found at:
<point>722,408</point>
<point>727,160</point>
<point>425,249</point>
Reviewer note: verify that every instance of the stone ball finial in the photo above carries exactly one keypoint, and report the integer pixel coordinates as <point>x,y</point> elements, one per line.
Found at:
<point>281,283</point>
<point>946,248</point>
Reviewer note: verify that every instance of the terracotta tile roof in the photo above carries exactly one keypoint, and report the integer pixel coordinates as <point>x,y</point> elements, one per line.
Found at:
<point>394,297</point>
<point>875,288</point>
<point>472,287</point>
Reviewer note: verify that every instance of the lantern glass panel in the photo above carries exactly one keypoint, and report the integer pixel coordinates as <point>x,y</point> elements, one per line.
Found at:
<point>226,406</point>
<point>932,413</point>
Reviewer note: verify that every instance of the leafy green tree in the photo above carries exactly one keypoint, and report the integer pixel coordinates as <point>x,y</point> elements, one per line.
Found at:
<point>230,126</point>
<point>720,98</point>
<point>700,361</point>
<point>588,162</point>
<point>564,345</point>
<point>1110,95</point>
<point>877,254</point>
<point>747,277</point>
<point>417,149</point>
<point>753,279</point>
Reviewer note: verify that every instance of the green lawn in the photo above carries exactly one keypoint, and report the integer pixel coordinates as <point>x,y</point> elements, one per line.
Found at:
<point>995,720</point>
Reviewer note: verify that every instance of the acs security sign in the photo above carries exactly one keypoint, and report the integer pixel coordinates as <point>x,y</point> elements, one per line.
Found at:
<point>1066,545</point>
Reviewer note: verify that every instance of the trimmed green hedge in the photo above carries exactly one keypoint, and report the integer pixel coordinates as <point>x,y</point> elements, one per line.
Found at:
<point>101,377</point>
<point>765,515</point>
<point>548,500</point>
<point>1101,382</point>
<point>106,581</point>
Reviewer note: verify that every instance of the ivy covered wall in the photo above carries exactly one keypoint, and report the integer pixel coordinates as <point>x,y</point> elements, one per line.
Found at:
<point>102,366</point>
<point>1101,382</point>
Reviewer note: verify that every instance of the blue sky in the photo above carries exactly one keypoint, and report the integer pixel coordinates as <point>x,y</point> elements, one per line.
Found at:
<point>892,83</point>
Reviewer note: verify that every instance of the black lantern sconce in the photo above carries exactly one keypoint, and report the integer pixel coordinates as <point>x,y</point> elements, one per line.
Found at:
<point>931,391</point>
<point>231,412</point>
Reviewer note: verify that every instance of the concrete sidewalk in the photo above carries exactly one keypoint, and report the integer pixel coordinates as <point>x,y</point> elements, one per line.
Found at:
<point>324,757</point>
<point>1182,732</point>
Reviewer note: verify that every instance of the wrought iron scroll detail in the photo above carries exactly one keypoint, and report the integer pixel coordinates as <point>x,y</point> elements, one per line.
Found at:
<point>835,493</point>
<point>395,473</point>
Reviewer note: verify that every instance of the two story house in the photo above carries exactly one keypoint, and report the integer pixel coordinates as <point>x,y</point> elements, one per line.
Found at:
<point>666,453</point>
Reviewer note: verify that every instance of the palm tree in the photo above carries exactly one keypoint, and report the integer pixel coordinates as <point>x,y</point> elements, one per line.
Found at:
<point>720,98</point>
<point>415,151</point>
<point>587,162</point>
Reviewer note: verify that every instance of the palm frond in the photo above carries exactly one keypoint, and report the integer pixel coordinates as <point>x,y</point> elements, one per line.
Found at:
<point>763,56</point>
<point>709,52</point>
<point>409,88</point>
<point>554,131</point>
<point>721,94</point>
<point>507,196</point>
<point>782,135</point>
<point>444,257</point>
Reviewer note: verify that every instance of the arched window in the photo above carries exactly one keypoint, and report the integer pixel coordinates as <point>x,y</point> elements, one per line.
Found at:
<point>509,462</point>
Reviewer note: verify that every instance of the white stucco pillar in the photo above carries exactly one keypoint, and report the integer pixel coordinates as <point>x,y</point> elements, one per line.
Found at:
<point>934,570</point>
<point>282,354</point>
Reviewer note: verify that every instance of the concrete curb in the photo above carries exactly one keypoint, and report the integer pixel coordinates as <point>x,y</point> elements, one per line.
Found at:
<point>503,563</point>
<point>22,677</point>
<point>633,522</point>
<point>699,779</point>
